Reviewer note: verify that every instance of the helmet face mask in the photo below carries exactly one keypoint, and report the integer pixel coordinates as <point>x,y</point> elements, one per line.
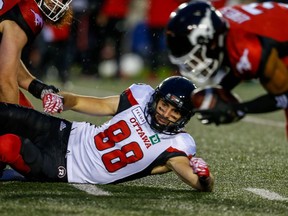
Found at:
<point>53,9</point>
<point>175,90</point>
<point>195,39</point>
<point>196,65</point>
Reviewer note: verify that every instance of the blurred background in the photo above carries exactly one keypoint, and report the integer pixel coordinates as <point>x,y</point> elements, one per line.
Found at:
<point>108,39</point>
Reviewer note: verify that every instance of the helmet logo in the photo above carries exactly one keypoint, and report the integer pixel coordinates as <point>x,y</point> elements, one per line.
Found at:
<point>204,29</point>
<point>174,99</point>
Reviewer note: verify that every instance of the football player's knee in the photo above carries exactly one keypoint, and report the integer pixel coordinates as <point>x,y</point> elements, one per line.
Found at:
<point>9,148</point>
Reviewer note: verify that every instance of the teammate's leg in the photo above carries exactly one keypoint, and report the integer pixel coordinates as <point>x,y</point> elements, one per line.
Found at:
<point>26,122</point>
<point>10,146</point>
<point>49,136</point>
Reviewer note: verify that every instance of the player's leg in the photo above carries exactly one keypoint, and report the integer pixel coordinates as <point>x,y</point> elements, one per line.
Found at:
<point>47,156</point>
<point>47,133</point>
<point>30,163</point>
<point>10,146</point>
<point>27,122</point>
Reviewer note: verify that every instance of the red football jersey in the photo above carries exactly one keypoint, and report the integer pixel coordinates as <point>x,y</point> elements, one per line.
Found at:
<point>254,29</point>
<point>6,5</point>
<point>25,13</point>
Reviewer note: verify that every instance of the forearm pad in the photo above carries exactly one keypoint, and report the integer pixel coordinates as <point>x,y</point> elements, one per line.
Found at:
<point>36,88</point>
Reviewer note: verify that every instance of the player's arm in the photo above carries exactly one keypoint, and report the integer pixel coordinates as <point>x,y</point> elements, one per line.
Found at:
<point>197,175</point>
<point>100,106</point>
<point>275,81</point>
<point>24,76</point>
<point>229,81</point>
<point>12,42</point>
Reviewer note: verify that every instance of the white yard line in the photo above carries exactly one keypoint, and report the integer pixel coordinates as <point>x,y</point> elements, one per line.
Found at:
<point>91,189</point>
<point>266,194</point>
<point>261,121</point>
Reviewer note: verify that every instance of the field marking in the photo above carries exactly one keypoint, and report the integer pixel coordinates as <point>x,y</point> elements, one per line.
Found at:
<point>270,195</point>
<point>261,121</point>
<point>91,189</point>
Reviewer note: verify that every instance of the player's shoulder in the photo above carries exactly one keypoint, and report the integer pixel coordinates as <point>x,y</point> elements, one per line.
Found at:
<point>140,85</point>
<point>141,89</point>
<point>244,52</point>
<point>8,5</point>
<point>185,142</point>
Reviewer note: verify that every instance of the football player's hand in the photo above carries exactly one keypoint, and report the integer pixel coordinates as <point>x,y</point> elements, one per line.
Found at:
<point>200,167</point>
<point>223,113</point>
<point>52,103</point>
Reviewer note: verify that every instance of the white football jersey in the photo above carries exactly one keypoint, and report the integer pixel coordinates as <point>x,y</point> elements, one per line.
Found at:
<point>123,148</point>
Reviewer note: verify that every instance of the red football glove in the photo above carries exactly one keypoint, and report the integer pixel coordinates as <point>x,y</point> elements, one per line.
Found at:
<point>200,167</point>
<point>52,103</point>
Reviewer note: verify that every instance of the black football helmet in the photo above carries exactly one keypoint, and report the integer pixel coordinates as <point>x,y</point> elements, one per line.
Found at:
<point>195,39</point>
<point>53,9</point>
<point>176,90</point>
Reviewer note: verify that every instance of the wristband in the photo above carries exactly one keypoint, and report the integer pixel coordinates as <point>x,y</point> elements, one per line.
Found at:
<point>36,88</point>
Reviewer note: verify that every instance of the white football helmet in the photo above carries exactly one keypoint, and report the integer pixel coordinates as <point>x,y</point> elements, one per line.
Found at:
<point>53,9</point>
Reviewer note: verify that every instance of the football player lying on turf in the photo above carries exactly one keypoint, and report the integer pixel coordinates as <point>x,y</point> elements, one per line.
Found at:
<point>145,136</point>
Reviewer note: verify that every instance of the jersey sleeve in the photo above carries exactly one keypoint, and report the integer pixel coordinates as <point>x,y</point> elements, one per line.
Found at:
<point>184,145</point>
<point>244,52</point>
<point>7,5</point>
<point>184,142</point>
<point>27,16</point>
<point>139,91</point>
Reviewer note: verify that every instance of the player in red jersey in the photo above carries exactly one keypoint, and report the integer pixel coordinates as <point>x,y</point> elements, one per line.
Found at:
<point>246,41</point>
<point>20,22</point>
